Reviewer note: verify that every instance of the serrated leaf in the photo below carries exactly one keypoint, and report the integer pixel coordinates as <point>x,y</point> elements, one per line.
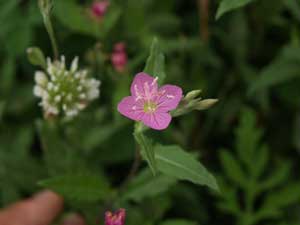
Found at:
<point>173,161</point>
<point>155,65</point>
<point>232,168</point>
<point>247,137</point>
<point>229,5</point>
<point>83,188</point>
<point>146,185</point>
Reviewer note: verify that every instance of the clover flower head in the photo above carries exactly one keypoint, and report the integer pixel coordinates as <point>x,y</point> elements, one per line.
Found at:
<point>99,8</point>
<point>119,57</point>
<point>64,91</point>
<point>117,218</point>
<point>149,103</point>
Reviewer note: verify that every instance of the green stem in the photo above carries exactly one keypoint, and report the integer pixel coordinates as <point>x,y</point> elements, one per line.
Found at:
<point>50,31</point>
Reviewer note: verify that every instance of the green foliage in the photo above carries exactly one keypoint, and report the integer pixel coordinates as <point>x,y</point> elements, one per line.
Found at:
<point>155,65</point>
<point>229,5</point>
<point>247,171</point>
<point>251,58</point>
<point>178,222</point>
<point>145,185</point>
<point>285,67</point>
<point>79,188</point>
<point>79,19</point>
<point>147,148</point>
<point>174,162</point>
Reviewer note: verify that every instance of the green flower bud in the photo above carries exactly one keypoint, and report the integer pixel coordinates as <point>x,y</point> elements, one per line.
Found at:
<point>205,104</point>
<point>192,94</point>
<point>36,57</point>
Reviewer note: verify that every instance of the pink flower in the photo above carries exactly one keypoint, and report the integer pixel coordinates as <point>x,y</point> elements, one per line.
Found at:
<point>119,57</point>
<point>149,103</point>
<point>117,218</point>
<point>99,8</point>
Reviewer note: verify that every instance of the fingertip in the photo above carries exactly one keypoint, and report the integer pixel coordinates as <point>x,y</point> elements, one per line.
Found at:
<point>48,197</point>
<point>40,209</point>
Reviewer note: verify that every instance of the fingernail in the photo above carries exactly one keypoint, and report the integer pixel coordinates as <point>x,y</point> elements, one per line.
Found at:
<point>73,219</point>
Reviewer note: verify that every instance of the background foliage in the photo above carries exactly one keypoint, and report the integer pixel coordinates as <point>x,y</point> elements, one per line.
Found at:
<point>246,53</point>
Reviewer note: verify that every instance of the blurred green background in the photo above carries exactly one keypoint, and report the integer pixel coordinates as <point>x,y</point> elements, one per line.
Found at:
<point>249,59</point>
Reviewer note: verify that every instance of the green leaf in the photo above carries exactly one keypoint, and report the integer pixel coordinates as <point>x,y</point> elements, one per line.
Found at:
<point>173,161</point>
<point>78,18</point>
<point>60,157</point>
<point>7,78</point>
<point>229,5</point>
<point>247,137</point>
<point>109,21</point>
<point>146,185</point>
<point>155,65</point>
<point>285,67</point>
<point>147,150</point>
<point>279,176</point>
<point>287,196</point>
<point>83,188</point>
<point>178,222</point>
<point>232,168</point>
<point>261,163</point>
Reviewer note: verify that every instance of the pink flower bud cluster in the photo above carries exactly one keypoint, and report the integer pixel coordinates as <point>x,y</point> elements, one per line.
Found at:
<point>119,57</point>
<point>99,8</point>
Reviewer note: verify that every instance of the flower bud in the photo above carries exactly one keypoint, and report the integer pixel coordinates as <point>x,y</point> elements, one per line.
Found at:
<point>99,8</point>
<point>192,95</point>
<point>205,104</point>
<point>117,218</point>
<point>36,57</point>
<point>119,57</point>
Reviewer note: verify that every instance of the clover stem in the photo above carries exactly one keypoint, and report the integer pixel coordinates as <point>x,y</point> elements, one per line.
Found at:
<point>50,31</point>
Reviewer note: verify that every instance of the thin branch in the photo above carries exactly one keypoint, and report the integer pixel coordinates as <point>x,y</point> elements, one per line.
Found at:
<point>203,10</point>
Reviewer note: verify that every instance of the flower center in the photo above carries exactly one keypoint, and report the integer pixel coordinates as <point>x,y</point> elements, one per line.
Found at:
<point>149,107</point>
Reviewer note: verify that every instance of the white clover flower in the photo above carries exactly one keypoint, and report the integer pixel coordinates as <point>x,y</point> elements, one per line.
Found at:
<point>64,91</point>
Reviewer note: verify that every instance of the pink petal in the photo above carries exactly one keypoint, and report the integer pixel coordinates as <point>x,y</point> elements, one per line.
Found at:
<point>170,98</point>
<point>157,121</point>
<point>130,108</point>
<point>138,85</point>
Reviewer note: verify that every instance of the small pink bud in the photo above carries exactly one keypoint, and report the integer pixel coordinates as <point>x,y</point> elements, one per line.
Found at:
<point>119,57</point>
<point>117,218</point>
<point>99,8</point>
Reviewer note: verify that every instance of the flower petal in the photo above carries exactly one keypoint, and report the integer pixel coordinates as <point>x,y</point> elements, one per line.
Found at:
<point>170,97</point>
<point>130,108</point>
<point>138,88</point>
<point>157,121</point>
